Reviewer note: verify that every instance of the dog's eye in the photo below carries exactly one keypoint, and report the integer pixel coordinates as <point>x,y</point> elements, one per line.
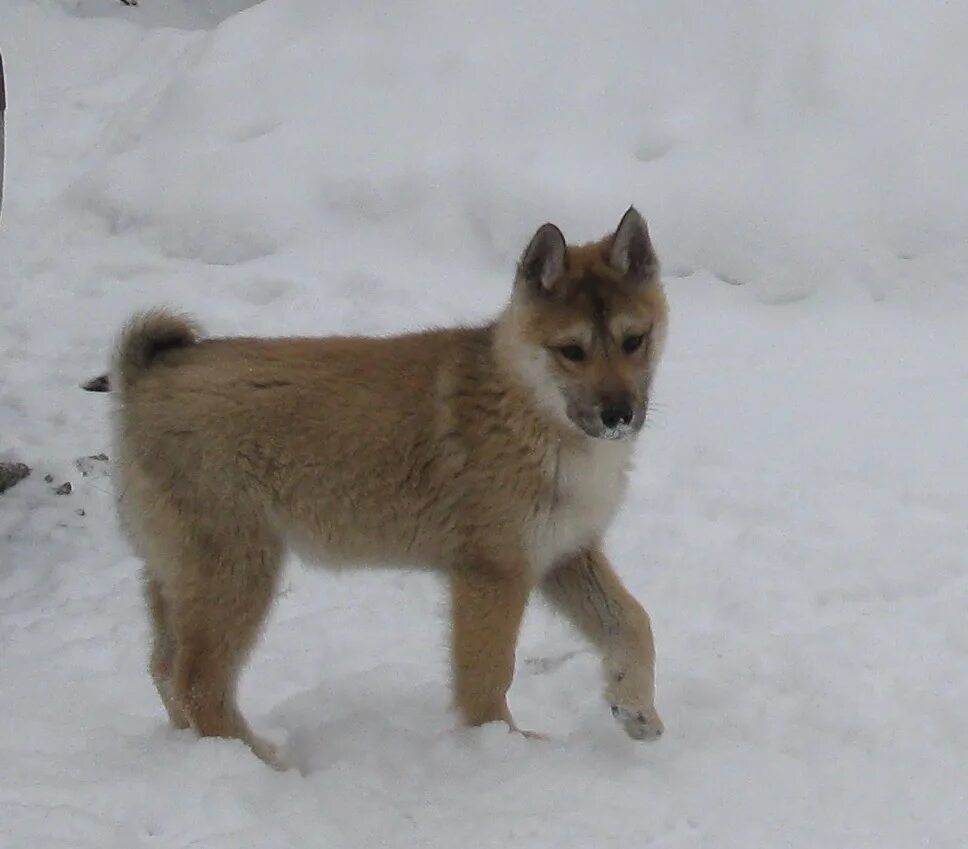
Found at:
<point>631,344</point>
<point>575,353</point>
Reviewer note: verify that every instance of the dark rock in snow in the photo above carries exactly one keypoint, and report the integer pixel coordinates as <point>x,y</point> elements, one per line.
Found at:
<point>11,473</point>
<point>101,383</point>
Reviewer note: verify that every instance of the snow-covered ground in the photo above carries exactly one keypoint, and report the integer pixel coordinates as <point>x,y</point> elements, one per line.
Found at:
<point>798,520</point>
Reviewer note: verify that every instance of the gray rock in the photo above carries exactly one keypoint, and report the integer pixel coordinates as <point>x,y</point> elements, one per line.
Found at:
<point>11,473</point>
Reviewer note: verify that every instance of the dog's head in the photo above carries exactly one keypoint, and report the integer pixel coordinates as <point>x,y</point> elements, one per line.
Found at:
<point>586,326</point>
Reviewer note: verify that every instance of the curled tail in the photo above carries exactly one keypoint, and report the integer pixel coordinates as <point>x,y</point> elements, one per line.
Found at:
<point>145,337</point>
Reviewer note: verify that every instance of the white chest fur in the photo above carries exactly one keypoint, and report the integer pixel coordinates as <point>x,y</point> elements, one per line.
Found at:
<point>586,486</point>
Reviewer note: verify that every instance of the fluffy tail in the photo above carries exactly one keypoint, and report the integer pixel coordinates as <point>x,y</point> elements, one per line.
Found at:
<point>145,337</point>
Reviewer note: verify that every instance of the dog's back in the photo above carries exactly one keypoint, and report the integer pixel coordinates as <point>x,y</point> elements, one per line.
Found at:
<point>350,449</point>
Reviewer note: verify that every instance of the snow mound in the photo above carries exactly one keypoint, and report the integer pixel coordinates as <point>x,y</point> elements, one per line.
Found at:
<point>785,147</point>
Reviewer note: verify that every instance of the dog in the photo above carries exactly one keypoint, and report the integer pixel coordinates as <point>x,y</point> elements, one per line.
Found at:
<point>495,455</point>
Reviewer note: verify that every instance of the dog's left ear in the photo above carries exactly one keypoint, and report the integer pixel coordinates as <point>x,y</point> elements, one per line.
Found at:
<point>631,251</point>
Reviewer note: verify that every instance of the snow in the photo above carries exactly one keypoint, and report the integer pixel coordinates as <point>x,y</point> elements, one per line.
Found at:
<point>798,517</point>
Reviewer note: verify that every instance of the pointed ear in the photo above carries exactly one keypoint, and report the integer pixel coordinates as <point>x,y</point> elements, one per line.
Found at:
<point>631,251</point>
<point>544,259</point>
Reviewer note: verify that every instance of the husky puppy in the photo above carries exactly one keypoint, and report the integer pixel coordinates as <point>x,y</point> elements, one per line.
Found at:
<point>496,455</point>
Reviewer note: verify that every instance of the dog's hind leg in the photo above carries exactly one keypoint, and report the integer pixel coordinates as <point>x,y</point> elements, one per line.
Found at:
<point>162,657</point>
<point>219,599</point>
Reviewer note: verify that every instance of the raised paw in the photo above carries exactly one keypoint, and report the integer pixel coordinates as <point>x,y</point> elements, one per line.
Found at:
<point>639,724</point>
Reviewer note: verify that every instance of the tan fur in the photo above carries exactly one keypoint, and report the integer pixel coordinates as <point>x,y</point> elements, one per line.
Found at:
<point>462,450</point>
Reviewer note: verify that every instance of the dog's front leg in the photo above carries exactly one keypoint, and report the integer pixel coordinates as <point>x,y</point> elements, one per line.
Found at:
<point>487,608</point>
<point>587,591</point>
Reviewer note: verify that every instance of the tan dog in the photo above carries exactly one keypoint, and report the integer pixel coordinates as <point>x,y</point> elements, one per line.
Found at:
<point>496,455</point>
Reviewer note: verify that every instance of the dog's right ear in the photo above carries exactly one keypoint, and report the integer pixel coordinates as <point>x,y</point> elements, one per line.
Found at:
<point>544,259</point>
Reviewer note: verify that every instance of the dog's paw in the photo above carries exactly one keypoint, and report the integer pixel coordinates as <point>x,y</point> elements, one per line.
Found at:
<point>639,724</point>
<point>267,753</point>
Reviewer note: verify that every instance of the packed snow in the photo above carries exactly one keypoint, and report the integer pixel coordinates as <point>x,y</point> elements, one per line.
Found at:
<point>797,523</point>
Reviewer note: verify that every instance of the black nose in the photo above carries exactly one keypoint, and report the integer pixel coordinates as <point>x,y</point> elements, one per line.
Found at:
<point>615,414</point>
